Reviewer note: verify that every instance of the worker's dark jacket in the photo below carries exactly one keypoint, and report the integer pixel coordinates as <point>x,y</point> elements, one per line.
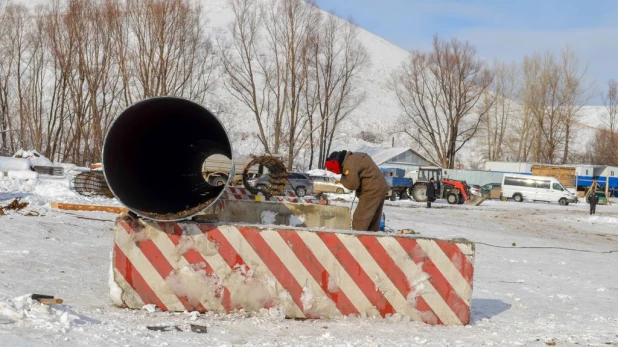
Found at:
<point>593,199</point>
<point>431,191</point>
<point>361,174</point>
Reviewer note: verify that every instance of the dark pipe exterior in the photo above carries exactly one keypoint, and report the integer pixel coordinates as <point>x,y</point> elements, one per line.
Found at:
<point>153,156</point>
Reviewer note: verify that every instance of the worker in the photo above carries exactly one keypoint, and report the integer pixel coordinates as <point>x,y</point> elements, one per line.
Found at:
<point>359,172</point>
<point>431,192</point>
<point>593,200</point>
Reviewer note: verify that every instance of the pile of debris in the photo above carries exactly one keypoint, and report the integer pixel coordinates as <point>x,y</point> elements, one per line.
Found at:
<point>14,205</point>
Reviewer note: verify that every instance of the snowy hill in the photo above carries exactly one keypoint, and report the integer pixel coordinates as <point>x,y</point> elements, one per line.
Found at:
<point>379,110</point>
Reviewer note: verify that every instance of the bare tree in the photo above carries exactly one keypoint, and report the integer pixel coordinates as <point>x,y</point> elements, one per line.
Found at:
<point>553,92</point>
<point>337,57</point>
<point>502,106</point>
<point>167,37</point>
<point>290,24</point>
<point>266,69</point>
<point>603,148</point>
<point>541,96</point>
<point>521,142</point>
<point>245,64</point>
<point>576,91</point>
<point>610,100</point>
<point>439,92</point>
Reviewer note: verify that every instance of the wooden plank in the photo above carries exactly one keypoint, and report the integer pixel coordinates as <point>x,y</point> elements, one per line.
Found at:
<point>80,207</point>
<point>566,175</point>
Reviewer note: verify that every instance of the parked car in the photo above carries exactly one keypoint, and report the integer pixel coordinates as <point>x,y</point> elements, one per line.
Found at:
<point>487,188</point>
<point>251,179</point>
<point>475,189</point>
<point>300,183</point>
<point>323,184</point>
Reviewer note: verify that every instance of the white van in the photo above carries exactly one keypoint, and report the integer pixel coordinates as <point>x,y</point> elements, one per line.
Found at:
<point>535,188</point>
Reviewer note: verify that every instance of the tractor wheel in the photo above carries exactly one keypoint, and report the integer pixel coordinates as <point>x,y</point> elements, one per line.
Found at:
<point>393,197</point>
<point>404,195</point>
<point>461,200</point>
<point>419,193</point>
<point>518,198</point>
<point>452,198</point>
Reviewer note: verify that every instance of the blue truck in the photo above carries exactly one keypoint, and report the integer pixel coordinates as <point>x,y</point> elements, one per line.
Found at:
<point>397,183</point>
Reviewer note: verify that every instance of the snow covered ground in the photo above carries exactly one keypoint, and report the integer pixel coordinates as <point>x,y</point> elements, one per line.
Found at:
<point>543,275</point>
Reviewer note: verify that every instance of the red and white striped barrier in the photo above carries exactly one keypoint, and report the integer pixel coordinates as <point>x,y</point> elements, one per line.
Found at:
<point>233,193</point>
<point>306,273</point>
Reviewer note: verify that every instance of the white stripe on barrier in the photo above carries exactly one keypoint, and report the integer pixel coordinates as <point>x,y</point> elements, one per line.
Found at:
<point>416,276</point>
<point>219,266</point>
<point>382,283</point>
<point>147,270</point>
<point>129,295</point>
<point>242,246</point>
<point>446,267</point>
<point>167,248</point>
<point>300,273</point>
<point>338,275</point>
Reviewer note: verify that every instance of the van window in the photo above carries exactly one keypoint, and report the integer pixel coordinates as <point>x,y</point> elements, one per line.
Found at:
<point>557,186</point>
<point>543,184</point>
<point>530,183</point>
<point>513,181</point>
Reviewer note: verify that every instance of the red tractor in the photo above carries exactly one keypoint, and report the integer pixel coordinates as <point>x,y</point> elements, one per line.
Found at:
<point>454,191</point>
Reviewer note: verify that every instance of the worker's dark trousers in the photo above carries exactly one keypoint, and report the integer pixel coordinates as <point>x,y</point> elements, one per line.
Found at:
<point>593,208</point>
<point>368,213</point>
<point>429,201</point>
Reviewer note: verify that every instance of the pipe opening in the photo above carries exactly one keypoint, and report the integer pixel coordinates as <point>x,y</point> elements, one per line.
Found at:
<point>154,153</point>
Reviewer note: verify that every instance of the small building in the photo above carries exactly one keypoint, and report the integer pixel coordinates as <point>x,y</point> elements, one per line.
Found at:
<point>396,157</point>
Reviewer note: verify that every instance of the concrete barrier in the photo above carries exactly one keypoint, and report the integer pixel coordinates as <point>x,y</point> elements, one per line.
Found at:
<point>278,213</point>
<point>306,273</point>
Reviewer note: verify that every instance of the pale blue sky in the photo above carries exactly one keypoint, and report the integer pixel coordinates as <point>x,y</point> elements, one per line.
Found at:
<point>503,29</point>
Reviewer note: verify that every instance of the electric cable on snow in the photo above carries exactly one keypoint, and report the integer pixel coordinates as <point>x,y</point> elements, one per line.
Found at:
<point>547,247</point>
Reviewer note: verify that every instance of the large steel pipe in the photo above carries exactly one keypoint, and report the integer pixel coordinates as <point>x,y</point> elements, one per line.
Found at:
<point>154,153</point>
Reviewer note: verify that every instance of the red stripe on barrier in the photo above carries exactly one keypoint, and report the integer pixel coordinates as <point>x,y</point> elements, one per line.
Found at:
<point>195,258</point>
<point>396,275</point>
<point>439,282</point>
<point>357,273</point>
<point>160,263</point>
<point>461,262</point>
<point>163,267</point>
<point>274,264</point>
<point>317,271</point>
<point>227,252</point>
<point>171,228</point>
<point>130,274</point>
